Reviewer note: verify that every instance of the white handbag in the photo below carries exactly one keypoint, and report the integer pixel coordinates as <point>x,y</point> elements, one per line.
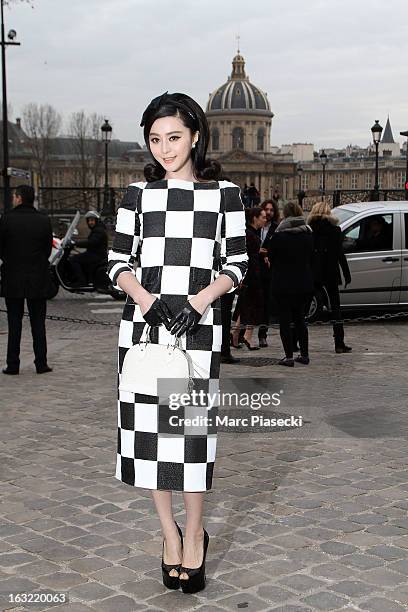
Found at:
<point>146,362</point>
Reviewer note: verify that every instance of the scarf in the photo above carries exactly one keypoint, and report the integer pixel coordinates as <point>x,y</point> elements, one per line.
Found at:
<point>295,225</point>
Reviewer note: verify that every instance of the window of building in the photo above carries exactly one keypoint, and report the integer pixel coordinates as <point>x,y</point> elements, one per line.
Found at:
<point>338,182</point>
<point>305,182</point>
<point>237,138</point>
<point>215,139</point>
<point>260,139</point>
<point>354,181</point>
<point>368,180</point>
<point>399,180</point>
<point>59,178</point>
<point>122,179</point>
<point>77,178</point>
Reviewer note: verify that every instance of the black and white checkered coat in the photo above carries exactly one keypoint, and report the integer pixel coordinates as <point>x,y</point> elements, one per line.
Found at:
<point>182,234</point>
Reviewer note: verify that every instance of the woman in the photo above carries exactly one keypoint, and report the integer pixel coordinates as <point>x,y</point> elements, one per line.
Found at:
<point>290,253</point>
<point>272,211</point>
<point>249,309</point>
<point>328,258</point>
<point>186,224</point>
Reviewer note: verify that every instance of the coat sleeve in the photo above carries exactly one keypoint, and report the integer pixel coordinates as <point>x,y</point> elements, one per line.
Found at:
<point>48,239</point>
<point>126,237</point>
<point>342,259</point>
<point>234,258</point>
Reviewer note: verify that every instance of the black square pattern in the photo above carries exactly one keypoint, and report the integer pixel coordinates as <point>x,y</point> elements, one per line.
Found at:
<point>186,246</point>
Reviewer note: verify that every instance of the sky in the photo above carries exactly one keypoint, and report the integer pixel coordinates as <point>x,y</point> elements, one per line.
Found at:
<point>329,67</point>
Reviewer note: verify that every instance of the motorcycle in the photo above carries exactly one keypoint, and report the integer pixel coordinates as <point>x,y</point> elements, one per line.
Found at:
<point>61,272</point>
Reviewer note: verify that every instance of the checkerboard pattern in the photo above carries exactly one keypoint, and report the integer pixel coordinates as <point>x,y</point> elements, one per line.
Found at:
<point>182,235</point>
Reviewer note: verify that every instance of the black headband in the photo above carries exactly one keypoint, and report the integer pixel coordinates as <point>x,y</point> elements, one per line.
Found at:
<point>156,103</point>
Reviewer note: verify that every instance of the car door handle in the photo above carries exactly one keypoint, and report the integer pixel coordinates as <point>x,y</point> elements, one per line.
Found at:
<point>390,259</point>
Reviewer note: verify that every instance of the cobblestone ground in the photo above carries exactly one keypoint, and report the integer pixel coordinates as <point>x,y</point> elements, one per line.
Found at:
<point>300,520</point>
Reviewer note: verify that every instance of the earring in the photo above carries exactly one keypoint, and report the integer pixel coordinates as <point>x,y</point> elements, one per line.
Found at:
<point>193,145</point>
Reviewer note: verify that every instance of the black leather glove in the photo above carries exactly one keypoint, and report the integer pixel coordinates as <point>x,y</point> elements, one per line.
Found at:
<point>158,313</point>
<point>185,321</point>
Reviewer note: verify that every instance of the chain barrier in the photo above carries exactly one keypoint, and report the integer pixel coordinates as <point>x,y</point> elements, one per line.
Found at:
<point>367,319</point>
<point>74,320</point>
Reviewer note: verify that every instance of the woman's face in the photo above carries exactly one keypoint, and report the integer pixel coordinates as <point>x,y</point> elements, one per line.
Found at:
<point>170,143</point>
<point>260,221</point>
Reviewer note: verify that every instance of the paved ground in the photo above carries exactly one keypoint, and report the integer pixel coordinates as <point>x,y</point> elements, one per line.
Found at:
<point>312,519</point>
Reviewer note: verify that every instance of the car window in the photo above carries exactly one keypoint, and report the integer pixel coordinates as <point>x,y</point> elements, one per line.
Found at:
<point>406,230</point>
<point>343,214</point>
<point>373,233</point>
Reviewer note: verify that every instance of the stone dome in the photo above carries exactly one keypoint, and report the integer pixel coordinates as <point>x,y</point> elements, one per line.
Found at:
<point>238,93</point>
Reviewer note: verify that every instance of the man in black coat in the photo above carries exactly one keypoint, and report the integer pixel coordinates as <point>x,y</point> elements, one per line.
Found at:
<point>290,254</point>
<point>25,246</point>
<point>84,264</point>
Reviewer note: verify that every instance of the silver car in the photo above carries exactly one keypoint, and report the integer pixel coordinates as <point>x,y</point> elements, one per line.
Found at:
<point>376,246</point>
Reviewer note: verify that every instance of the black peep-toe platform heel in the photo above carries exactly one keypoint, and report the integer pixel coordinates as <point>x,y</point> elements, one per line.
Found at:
<point>171,582</point>
<point>196,576</point>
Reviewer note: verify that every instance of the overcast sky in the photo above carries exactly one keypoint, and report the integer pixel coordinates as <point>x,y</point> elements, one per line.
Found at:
<point>330,67</point>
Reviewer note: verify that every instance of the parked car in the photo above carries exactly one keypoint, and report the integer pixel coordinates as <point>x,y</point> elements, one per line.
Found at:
<point>375,241</point>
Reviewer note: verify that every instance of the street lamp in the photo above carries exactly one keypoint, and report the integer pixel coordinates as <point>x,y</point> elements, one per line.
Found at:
<point>376,131</point>
<point>406,171</point>
<point>106,130</point>
<point>299,171</point>
<point>323,159</point>
<point>301,194</point>
<point>5,171</point>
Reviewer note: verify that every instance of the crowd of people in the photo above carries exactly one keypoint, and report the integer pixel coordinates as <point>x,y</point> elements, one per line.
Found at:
<point>289,258</point>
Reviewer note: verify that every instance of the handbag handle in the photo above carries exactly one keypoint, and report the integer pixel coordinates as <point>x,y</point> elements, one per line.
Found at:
<point>145,337</point>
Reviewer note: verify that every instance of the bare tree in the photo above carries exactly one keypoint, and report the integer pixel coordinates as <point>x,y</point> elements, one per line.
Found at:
<point>41,123</point>
<point>85,131</point>
<point>97,157</point>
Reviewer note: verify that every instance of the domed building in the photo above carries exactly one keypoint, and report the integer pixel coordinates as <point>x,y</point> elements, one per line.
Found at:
<point>240,120</point>
<point>239,114</point>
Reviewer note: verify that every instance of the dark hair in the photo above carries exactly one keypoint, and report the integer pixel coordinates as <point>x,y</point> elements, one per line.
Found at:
<point>292,209</point>
<point>26,192</point>
<point>275,206</point>
<point>192,115</point>
<point>251,213</point>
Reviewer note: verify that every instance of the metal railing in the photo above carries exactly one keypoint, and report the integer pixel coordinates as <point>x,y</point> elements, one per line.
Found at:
<point>67,200</point>
<point>338,197</point>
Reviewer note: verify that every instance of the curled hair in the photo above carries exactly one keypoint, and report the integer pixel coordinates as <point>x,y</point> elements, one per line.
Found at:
<point>321,210</point>
<point>193,117</point>
<point>275,206</point>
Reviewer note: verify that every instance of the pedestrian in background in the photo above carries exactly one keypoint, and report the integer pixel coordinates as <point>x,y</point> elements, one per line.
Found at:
<point>249,309</point>
<point>25,246</point>
<point>290,253</point>
<point>272,213</point>
<point>245,196</point>
<point>96,244</point>
<point>253,195</point>
<point>328,258</point>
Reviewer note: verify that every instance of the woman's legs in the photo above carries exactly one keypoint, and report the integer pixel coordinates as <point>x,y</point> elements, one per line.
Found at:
<point>248,333</point>
<point>338,328</point>
<point>235,331</point>
<point>194,535</point>
<point>172,546</point>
